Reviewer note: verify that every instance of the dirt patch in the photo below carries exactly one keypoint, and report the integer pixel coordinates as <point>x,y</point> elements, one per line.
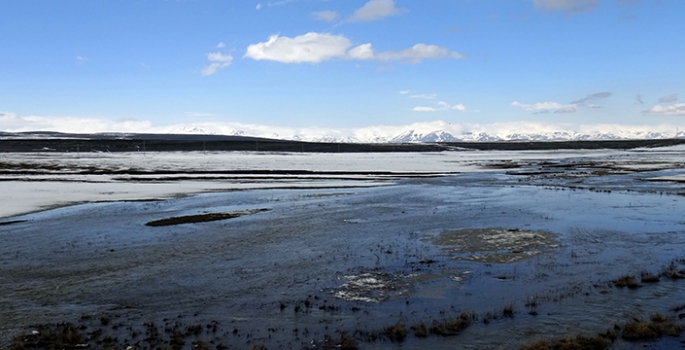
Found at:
<point>178,220</point>
<point>495,245</point>
<point>373,287</point>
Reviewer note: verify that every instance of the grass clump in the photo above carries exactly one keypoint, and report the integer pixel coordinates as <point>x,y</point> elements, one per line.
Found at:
<point>647,277</point>
<point>657,326</point>
<point>420,330</point>
<point>451,326</point>
<point>396,332</point>
<point>580,342</point>
<point>671,271</point>
<point>53,337</point>
<point>626,281</point>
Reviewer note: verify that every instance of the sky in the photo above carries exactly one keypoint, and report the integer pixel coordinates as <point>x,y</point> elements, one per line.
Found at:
<point>341,66</point>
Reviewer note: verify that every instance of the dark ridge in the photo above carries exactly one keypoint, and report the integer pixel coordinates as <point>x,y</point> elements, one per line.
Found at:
<point>130,142</point>
<point>553,145</point>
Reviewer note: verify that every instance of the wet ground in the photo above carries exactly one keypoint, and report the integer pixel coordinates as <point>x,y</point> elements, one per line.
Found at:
<point>525,252</point>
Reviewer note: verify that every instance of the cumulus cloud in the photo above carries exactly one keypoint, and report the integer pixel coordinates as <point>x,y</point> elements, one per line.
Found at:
<point>442,106</point>
<point>375,10</point>
<point>568,6</point>
<point>546,107</point>
<point>220,45</point>
<point>677,110</point>
<point>310,48</point>
<point>328,16</point>
<point>668,99</point>
<point>217,61</point>
<point>318,47</point>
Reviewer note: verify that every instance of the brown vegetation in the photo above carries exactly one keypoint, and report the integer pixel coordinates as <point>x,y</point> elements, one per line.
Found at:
<point>657,326</point>
<point>626,281</point>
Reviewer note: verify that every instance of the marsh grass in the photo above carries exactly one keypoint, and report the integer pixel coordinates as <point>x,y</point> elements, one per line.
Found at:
<point>671,271</point>
<point>396,332</point>
<point>452,326</point>
<point>420,330</point>
<point>646,277</point>
<point>53,337</point>
<point>580,342</point>
<point>657,326</point>
<point>627,281</point>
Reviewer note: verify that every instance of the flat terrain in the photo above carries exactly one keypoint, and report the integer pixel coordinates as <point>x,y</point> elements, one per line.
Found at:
<point>439,250</point>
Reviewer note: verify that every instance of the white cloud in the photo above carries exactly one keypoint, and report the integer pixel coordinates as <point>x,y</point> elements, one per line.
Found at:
<point>425,96</point>
<point>404,92</point>
<point>218,61</point>
<point>328,16</point>
<point>374,10</point>
<point>546,107</point>
<point>361,52</point>
<point>569,6</point>
<point>311,48</point>
<point>442,106</point>
<point>677,109</point>
<point>669,98</point>
<point>220,45</point>
<point>414,54</point>
<point>258,7</point>
<point>81,59</point>
<point>318,47</point>
<point>459,107</point>
<point>13,122</point>
<point>424,109</point>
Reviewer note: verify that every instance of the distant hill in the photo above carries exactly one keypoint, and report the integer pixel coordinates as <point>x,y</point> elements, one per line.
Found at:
<point>131,142</point>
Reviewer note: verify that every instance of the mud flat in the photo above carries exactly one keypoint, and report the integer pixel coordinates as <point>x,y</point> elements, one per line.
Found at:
<point>525,250</point>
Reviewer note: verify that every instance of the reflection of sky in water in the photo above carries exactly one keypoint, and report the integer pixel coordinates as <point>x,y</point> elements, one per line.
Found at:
<point>312,239</point>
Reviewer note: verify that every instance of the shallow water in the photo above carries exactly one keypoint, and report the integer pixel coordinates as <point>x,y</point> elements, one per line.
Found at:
<point>293,267</point>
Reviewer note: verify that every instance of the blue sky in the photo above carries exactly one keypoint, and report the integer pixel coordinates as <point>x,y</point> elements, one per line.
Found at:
<point>154,65</point>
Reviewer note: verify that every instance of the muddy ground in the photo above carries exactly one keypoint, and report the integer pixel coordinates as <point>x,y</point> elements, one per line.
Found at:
<point>494,260</point>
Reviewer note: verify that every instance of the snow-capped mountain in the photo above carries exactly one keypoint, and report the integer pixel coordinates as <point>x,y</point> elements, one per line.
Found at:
<point>436,136</point>
<point>423,132</point>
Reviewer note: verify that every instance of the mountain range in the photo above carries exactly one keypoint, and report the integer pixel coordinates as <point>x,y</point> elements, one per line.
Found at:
<point>436,136</point>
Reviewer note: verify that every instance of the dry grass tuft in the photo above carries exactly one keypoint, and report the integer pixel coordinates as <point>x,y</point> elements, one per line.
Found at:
<point>627,281</point>
<point>451,326</point>
<point>647,277</point>
<point>420,330</point>
<point>580,342</point>
<point>657,326</point>
<point>396,332</point>
<point>57,337</point>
